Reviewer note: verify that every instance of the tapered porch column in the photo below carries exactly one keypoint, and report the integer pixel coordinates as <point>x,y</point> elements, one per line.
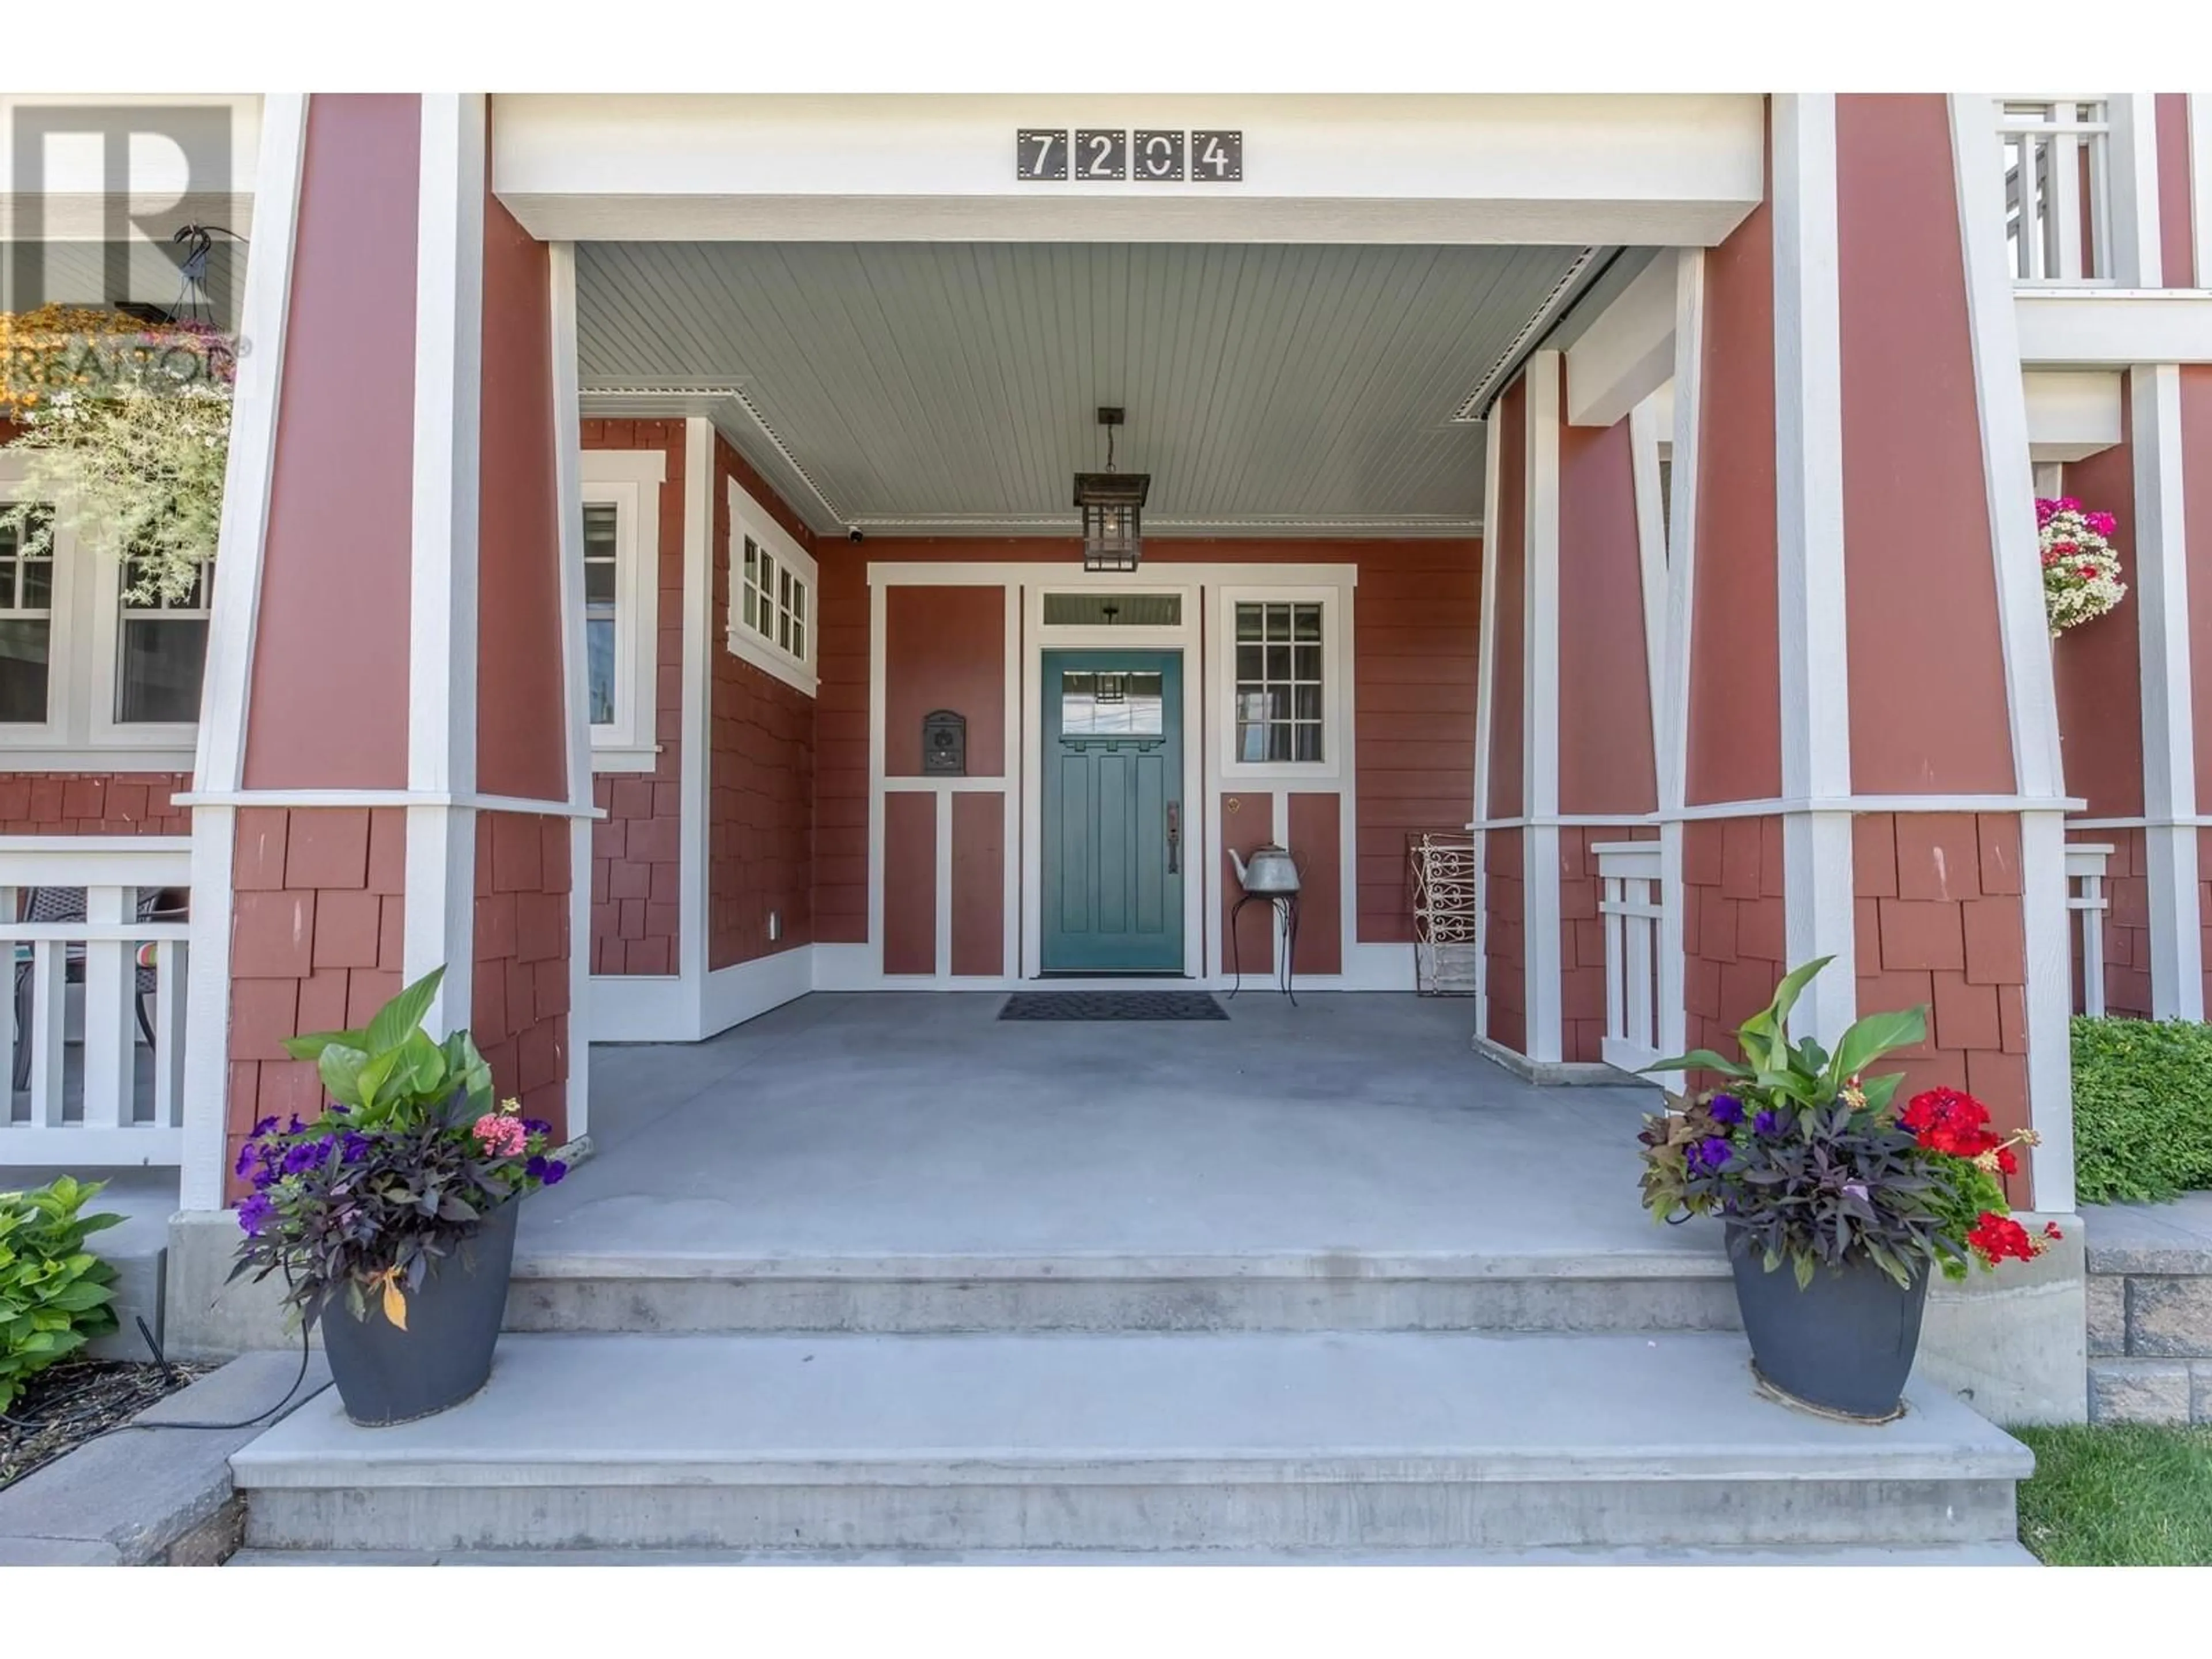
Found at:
<point>388,775</point>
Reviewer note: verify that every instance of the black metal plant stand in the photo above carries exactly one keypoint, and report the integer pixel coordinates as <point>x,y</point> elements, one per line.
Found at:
<point>1286,908</point>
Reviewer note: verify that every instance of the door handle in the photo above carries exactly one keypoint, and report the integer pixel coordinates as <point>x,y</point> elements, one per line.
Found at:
<point>1175,837</point>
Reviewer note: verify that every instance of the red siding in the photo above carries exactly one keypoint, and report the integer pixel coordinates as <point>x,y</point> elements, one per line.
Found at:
<point>522,737</point>
<point>1733,925</point>
<point>317,937</point>
<point>521,1016</point>
<point>637,911</point>
<point>2176,217</point>
<point>1317,837</point>
<point>1916,516</point>
<point>1605,689</point>
<point>1505,947</point>
<point>1248,821</point>
<point>2096,664</point>
<point>94,804</point>
<point>760,849</point>
<point>944,647</point>
<point>1940,923</point>
<point>979,883</point>
<point>1735,709</point>
<point>335,590</point>
<point>910,882</point>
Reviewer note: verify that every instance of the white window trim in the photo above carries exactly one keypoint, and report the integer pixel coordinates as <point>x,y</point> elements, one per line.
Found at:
<point>80,733</point>
<point>749,517</point>
<point>1335,658</point>
<point>630,479</point>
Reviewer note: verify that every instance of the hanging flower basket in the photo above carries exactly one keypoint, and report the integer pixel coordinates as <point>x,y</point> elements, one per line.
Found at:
<point>129,423</point>
<point>2081,571</point>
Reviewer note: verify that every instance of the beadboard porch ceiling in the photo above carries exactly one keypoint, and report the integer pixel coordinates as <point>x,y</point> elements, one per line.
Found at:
<point>951,388</point>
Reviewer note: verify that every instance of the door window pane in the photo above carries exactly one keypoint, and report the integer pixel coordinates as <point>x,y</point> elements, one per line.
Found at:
<point>1110,704</point>
<point>1279,682</point>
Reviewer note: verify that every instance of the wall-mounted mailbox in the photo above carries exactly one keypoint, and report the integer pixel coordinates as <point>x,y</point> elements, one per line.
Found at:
<point>944,743</point>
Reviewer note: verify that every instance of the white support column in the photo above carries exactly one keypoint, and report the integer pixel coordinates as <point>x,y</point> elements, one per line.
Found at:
<point>2031,699</point>
<point>1484,706</point>
<point>1815,658</point>
<point>2169,739</point>
<point>1670,709</point>
<point>219,764</point>
<point>568,442</point>
<point>441,727</point>
<point>1539,790</point>
<point>2136,254</point>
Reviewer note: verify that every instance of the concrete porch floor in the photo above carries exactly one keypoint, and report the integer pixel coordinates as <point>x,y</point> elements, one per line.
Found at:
<point>918,1125</point>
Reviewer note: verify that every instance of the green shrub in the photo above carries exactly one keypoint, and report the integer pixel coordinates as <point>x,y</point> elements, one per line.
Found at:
<point>2142,1108</point>
<point>55,1295</point>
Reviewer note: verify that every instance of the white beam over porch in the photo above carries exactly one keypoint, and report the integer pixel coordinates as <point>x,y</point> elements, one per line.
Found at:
<point>1638,170</point>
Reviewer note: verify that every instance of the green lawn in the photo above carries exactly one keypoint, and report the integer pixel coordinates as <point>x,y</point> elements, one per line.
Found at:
<point>2120,1496</point>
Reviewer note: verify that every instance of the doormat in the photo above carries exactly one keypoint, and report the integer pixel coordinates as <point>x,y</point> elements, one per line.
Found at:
<point>1111,1005</point>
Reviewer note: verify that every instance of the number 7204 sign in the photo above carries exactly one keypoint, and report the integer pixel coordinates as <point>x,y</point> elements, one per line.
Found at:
<point>1148,155</point>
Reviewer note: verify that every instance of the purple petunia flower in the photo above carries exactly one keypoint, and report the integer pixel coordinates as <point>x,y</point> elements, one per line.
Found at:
<point>536,1126</point>
<point>247,1155</point>
<point>303,1155</point>
<point>555,1169</point>
<point>265,1126</point>
<point>1711,1152</point>
<point>254,1212</point>
<point>353,1148</point>
<point>536,1168</point>
<point>1769,1122</point>
<point>1725,1108</point>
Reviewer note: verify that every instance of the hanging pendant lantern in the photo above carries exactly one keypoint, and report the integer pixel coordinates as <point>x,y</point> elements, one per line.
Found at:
<point>1113,505</point>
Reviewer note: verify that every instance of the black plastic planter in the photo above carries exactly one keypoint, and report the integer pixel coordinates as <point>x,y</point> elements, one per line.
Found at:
<point>385,1375</point>
<point>1843,1344</point>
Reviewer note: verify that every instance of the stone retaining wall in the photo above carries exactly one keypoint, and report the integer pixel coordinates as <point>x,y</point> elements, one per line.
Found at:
<point>2150,1312</point>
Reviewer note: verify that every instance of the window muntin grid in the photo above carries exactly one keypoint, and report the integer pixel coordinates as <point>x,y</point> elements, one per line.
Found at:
<point>1280,687</point>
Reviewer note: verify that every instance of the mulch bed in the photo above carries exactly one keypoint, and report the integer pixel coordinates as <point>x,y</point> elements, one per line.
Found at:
<point>60,1409</point>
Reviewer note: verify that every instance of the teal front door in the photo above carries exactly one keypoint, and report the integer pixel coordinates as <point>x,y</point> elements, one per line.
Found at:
<point>1113,844</point>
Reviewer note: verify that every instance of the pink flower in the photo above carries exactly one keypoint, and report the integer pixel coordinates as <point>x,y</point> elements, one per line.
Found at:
<point>2102,523</point>
<point>503,1137</point>
<point>2068,504</point>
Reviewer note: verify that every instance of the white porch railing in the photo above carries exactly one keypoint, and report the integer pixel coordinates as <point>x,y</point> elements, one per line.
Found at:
<point>1631,903</point>
<point>2085,897</point>
<point>91,1089</point>
<point>2058,194</point>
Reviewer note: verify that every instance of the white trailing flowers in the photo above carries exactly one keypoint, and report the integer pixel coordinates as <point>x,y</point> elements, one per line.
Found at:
<point>2081,571</point>
<point>125,427</point>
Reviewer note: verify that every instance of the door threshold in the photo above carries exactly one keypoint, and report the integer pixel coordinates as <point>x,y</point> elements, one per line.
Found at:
<point>1094,973</point>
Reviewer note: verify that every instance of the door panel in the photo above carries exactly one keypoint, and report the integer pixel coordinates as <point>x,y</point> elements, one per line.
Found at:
<point>1113,761</point>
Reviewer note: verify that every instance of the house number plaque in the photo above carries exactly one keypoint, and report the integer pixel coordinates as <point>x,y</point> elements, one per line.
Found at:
<point>1151,155</point>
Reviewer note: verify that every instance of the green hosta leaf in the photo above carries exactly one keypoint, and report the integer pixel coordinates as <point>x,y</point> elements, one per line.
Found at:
<point>340,1067</point>
<point>1873,1037</point>
<point>1699,1060</point>
<point>404,1013</point>
<point>311,1045</point>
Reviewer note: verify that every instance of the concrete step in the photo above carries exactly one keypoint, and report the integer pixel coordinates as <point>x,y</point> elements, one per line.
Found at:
<point>1673,1289</point>
<point>1954,1555</point>
<point>1371,1442</point>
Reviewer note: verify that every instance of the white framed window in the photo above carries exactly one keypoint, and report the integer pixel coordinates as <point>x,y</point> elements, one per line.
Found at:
<point>772,622</point>
<point>86,682</point>
<point>1282,662</point>
<point>621,632</point>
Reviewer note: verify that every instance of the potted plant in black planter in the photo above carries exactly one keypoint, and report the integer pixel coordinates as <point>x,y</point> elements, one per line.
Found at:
<point>1806,1163</point>
<point>391,1216</point>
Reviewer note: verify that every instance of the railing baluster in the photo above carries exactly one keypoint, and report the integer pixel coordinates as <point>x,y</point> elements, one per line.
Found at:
<point>48,996</point>
<point>108,1071</point>
<point>171,965</point>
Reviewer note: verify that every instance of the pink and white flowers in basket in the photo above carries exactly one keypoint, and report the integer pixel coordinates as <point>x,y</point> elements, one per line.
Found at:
<point>2081,571</point>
